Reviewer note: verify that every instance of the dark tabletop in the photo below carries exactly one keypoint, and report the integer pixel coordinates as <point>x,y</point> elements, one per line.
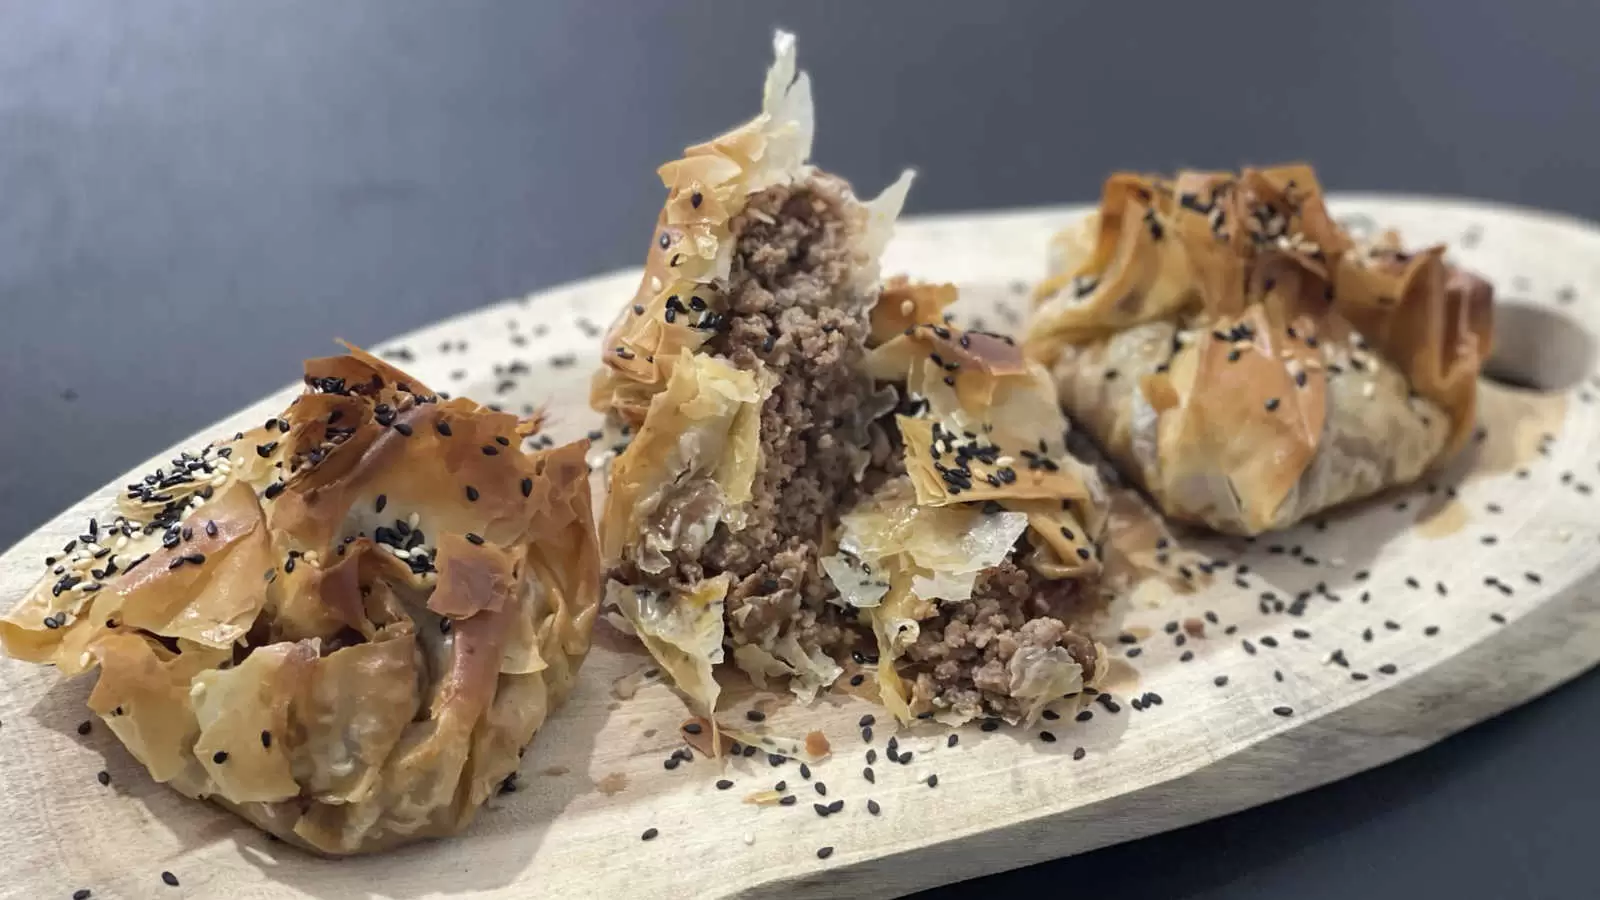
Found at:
<point>196,195</point>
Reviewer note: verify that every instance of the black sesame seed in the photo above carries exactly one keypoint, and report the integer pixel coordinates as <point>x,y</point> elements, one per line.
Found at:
<point>403,428</point>
<point>1284,711</point>
<point>83,727</point>
<point>1431,630</point>
<point>989,725</point>
<point>82,894</point>
<point>219,757</point>
<point>472,493</point>
<point>933,781</point>
<point>788,800</point>
<point>724,784</point>
<point>873,807</point>
<point>1220,681</point>
<point>103,777</point>
<point>169,879</point>
<point>824,852</point>
<point>755,715</point>
<point>1079,753</point>
<point>1047,737</point>
<point>649,834</point>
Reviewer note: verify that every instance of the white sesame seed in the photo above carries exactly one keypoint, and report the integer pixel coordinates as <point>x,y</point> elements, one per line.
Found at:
<point>120,542</point>
<point>1004,461</point>
<point>310,556</point>
<point>85,659</point>
<point>400,554</point>
<point>196,689</point>
<point>413,519</point>
<point>748,838</point>
<point>1368,389</point>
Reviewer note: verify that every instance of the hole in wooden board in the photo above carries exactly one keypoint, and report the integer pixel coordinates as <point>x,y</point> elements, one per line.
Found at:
<point>1538,348</point>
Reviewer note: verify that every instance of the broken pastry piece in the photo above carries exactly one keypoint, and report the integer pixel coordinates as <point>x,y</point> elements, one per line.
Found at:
<point>344,625</point>
<point>1246,360</point>
<point>821,471</point>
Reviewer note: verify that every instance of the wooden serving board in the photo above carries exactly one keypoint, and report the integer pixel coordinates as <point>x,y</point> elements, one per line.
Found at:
<point>1329,649</point>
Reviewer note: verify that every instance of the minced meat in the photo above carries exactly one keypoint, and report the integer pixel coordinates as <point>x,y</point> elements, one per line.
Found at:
<point>960,656</point>
<point>792,309</point>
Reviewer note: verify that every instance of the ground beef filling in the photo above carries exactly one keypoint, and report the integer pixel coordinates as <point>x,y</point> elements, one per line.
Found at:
<point>790,307</point>
<point>960,656</point>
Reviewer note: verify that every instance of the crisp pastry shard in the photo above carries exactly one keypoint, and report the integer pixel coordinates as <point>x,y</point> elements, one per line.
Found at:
<point>1245,359</point>
<point>821,472</point>
<point>344,625</point>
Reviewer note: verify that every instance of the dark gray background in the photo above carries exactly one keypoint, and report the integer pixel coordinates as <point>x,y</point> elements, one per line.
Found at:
<point>196,195</point>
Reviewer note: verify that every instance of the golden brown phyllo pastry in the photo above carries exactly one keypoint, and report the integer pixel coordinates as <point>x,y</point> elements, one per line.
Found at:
<point>822,473</point>
<point>344,625</point>
<point>1246,360</point>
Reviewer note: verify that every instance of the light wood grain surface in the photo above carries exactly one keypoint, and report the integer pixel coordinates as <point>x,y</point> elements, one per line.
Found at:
<point>1371,667</point>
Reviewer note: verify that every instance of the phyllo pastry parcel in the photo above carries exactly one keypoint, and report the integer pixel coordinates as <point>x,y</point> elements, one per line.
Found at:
<point>1245,359</point>
<point>823,473</point>
<point>344,625</point>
